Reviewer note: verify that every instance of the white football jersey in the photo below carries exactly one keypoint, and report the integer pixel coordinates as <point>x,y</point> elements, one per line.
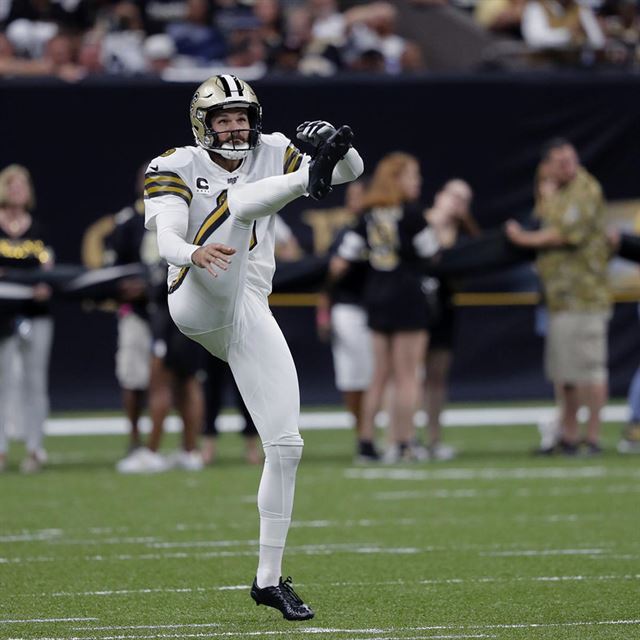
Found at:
<point>187,177</point>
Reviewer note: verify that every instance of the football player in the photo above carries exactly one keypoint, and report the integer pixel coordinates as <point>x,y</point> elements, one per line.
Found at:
<point>213,206</point>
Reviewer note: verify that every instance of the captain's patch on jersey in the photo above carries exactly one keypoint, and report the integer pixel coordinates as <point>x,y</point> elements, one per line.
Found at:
<point>168,152</point>
<point>202,185</point>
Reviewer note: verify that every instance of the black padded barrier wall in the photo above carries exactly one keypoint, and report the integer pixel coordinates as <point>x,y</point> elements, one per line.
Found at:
<point>84,142</point>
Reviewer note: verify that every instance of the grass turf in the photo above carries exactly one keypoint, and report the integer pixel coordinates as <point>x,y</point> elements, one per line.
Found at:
<point>495,544</point>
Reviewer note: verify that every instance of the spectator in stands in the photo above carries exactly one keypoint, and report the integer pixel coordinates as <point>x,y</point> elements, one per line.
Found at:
<point>272,22</point>
<point>196,37</point>
<point>159,51</point>
<point>123,40</point>
<point>90,53</point>
<point>572,263</point>
<point>126,245</point>
<point>59,58</point>
<point>394,236</point>
<point>621,24</point>
<point>27,335</point>
<point>372,30</point>
<point>500,16</point>
<point>449,217</point>
<point>341,317</point>
<point>328,21</point>
<point>158,14</point>
<point>560,24</point>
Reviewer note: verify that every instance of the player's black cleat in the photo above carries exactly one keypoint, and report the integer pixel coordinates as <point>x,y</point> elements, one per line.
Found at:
<point>283,598</point>
<point>328,155</point>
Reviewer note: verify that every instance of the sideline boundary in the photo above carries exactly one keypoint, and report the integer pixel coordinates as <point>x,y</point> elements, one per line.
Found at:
<point>317,420</point>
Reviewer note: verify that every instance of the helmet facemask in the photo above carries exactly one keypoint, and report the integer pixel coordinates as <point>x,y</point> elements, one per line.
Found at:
<point>231,149</point>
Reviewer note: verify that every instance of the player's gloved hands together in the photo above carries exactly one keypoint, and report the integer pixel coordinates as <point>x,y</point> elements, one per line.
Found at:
<point>212,256</point>
<point>315,132</point>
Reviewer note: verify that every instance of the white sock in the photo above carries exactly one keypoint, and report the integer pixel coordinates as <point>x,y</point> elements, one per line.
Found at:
<point>262,198</point>
<point>270,566</point>
<point>275,504</point>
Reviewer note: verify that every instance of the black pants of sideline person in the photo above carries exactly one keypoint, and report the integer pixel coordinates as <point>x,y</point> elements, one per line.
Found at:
<point>218,375</point>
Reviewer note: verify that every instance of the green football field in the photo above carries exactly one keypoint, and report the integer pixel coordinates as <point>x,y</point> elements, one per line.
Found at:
<point>495,544</point>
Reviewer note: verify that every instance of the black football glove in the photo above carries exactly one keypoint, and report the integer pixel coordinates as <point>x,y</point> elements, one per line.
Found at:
<point>316,132</point>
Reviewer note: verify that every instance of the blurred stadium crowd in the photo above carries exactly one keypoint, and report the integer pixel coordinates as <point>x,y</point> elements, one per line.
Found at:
<point>192,39</point>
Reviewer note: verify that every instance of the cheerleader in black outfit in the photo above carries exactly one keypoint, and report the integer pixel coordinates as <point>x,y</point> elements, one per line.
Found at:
<point>394,237</point>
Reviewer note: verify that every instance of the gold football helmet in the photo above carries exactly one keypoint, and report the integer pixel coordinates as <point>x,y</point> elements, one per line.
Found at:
<point>224,92</point>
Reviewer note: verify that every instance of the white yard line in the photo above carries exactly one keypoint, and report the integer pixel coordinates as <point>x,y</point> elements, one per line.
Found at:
<point>327,420</point>
<point>45,620</point>
<point>591,552</point>
<point>543,552</point>
<point>149,626</point>
<point>39,535</point>
<point>542,473</point>
<point>395,583</point>
<point>382,634</point>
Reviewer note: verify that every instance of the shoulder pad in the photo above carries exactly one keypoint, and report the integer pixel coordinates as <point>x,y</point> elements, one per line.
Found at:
<point>171,159</point>
<point>275,139</point>
<point>164,175</point>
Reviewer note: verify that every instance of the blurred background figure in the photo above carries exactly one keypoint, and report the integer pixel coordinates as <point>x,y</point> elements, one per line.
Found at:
<point>450,217</point>
<point>341,318</point>
<point>500,16</point>
<point>196,37</point>
<point>393,235</point>
<point>25,342</point>
<point>175,381</point>
<point>561,25</point>
<point>129,244</point>
<point>573,273</point>
<point>218,377</point>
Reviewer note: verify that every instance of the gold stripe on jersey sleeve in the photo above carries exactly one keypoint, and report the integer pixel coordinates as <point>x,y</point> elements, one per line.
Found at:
<point>296,163</point>
<point>210,224</point>
<point>156,192</point>
<point>166,183</point>
<point>292,159</point>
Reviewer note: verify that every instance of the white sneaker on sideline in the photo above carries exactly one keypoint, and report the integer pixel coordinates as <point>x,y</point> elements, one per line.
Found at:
<point>392,455</point>
<point>418,452</point>
<point>142,460</point>
<point>440,451</point>
<point>549,431</point>
<point>186,460</point>
<point>34,461</point>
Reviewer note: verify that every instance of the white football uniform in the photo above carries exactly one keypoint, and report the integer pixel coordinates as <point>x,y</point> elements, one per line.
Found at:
<point>192,201</point>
